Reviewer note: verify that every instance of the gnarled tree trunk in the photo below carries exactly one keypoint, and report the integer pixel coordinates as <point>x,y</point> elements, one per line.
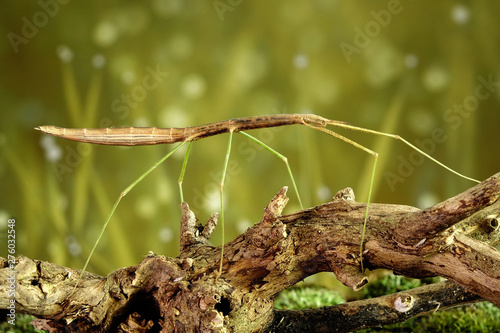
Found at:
<point>452,239</point>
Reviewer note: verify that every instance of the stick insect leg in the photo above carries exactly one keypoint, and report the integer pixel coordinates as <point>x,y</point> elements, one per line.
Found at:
<point>397,137</point>
<point>124,193</point>
<point>183,171</point>
<point>394,136</point>
<point>375,155</point>
<point>226,160</point>
<point>282,157</point>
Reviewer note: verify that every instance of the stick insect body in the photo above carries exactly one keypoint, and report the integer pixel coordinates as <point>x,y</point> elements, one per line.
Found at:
<point>140,136</point>
<point>136,136</point>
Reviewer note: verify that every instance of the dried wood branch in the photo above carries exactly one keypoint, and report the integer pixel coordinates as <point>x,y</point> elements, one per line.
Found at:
<point>373,312</point>
<point>453,239</point>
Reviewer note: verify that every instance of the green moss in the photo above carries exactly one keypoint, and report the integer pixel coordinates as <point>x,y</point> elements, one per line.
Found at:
<point>307,297</point>
<point>22,324</point>
<point>391,284</point>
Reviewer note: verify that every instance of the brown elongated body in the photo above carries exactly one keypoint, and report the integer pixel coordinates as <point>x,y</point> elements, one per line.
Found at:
<point>139,136</point>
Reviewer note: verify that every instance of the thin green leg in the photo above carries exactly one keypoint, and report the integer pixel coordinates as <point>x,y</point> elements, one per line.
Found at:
<point>375,155</point>
<point>367,208</point>
<point>124,193</point>
<point>283,158</point>
<point>397,137</point>
<point>183,171</point>
<point>226,160</point>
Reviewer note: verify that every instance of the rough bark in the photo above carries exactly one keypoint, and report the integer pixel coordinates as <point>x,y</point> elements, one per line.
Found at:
<point>452,239</point>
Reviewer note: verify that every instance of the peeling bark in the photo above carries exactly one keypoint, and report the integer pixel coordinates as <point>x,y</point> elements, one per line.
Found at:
<point>452,239</point>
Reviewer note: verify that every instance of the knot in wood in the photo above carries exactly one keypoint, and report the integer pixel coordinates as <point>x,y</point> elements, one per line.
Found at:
<point>403,303</point>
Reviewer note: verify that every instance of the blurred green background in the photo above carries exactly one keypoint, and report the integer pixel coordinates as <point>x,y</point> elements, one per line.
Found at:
<point>411,67</point>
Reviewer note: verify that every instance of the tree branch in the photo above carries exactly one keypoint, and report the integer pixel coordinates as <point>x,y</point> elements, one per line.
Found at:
<point>187,294</point>
<point>373,312</point>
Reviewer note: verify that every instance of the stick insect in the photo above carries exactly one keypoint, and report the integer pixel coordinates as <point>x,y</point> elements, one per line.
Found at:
<point>136,136</point>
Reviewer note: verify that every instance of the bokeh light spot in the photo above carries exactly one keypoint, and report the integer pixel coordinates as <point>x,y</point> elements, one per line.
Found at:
<point>460,14</point>
<point>64,53</point>
<point>166,235</point>
<point>105,33</point>
<point>99,60</point>
<point>411,61</point>
<point>193,86</point>
<point>300,61</point>
<point>146,207</point>
<point>435,78</point>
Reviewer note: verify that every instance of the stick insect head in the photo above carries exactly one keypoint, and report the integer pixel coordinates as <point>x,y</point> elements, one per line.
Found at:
<point>312,119</point>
